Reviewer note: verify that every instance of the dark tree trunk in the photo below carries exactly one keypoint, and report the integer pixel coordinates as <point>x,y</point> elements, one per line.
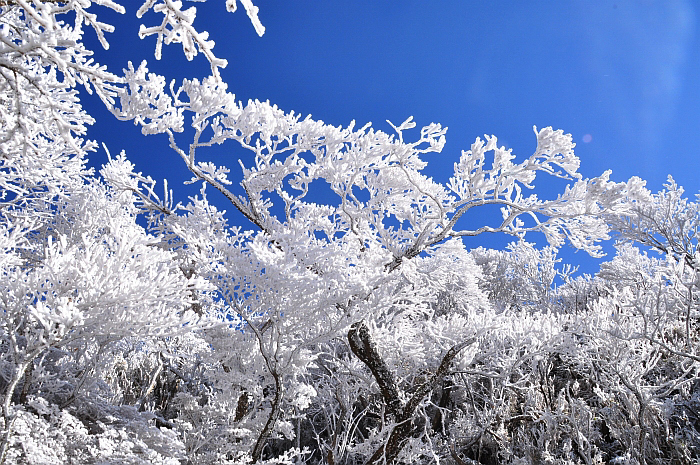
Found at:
<point>364,348</point>
<point>271,420</point>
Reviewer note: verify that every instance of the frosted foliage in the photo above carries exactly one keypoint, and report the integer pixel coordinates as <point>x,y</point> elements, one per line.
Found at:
<point>177,27</point>
<point>56,437</point>
<point>521,275</point>
<point>382,197</point>
<point>666,221</point>
<point>343,320</point>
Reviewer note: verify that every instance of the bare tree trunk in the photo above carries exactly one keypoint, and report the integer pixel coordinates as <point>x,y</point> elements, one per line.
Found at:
<point>241,407</point>
<point>271,420</point>
<point>438,422</point>
<point>27,383</point>
<point>364,348</point>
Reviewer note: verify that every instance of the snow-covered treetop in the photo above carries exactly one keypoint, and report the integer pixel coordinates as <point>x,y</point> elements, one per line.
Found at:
<point>382,198</point>
<point>350,260</point>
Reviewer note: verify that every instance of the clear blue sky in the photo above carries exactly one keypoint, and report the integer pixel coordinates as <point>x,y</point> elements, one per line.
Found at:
<point>623,77</point>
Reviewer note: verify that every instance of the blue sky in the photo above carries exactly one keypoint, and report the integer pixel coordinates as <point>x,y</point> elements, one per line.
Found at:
<point>623,77</point>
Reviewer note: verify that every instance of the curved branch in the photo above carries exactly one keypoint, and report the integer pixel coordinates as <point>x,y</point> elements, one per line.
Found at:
<point>364,348</point>
<point>362,345</point>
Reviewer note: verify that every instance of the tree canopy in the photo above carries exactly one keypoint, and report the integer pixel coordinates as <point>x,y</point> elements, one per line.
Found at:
<point>343,320</point>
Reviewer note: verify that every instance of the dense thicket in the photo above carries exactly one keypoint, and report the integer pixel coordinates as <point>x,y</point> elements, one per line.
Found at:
<point>350,327</point>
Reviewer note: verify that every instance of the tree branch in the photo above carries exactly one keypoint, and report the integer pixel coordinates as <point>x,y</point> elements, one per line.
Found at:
<point>364,348</point>
<point>362,345</point>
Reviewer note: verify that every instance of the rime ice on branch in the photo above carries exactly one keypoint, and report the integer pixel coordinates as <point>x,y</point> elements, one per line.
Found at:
<point>348,327</point>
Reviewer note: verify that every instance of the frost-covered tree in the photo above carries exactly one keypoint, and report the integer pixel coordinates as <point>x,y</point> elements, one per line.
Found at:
<point>343,321</point>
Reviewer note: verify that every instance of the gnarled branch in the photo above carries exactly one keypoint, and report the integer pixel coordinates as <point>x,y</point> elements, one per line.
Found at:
<point>362,345</point>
